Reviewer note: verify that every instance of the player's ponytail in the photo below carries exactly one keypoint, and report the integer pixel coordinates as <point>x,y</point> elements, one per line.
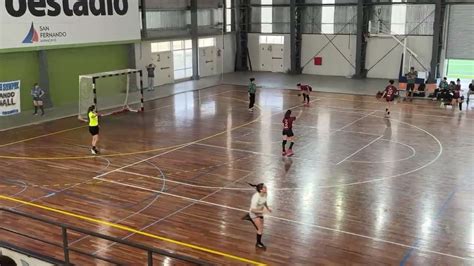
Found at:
<point>91,108</point>
<point>288,114</point>
<point>258,187</point>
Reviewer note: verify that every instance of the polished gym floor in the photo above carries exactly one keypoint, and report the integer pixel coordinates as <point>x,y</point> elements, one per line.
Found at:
<point>360,189</point>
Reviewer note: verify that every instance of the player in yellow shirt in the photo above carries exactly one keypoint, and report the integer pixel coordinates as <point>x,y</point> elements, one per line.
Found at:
<point>93,127</point>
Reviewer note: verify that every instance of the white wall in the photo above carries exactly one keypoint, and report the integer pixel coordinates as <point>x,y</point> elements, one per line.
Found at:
<point>226,62</point>
<point>333,63</point>
<point>143,53</point>
<point>389,67</point>
<point>254,51</point>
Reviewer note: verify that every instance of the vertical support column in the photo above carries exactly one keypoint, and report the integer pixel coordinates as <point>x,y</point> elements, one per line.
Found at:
<point>144,24</point>
<point>437,40</point>
<point>142,104</point>
<point>224,16</point>
<point>242,21</point>
<point>44,78</point>
<point>94,91</point>
<point>360,65</point>
<point>293,35</point>
<point>194,38</point>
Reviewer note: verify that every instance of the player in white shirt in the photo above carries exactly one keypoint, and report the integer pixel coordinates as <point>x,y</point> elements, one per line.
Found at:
<point>257,206</point>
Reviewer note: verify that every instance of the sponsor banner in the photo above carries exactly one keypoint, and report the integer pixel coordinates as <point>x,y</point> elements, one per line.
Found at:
<point>30,23</point>
<point>9,98</point>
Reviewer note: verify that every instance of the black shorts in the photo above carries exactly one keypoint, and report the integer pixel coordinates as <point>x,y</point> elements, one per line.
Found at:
<point>94,130</point>
<point>288,132</point>
<point>410,86</point>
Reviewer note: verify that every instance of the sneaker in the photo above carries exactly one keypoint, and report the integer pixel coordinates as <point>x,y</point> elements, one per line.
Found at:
<point>289,153</point>
<point>96,151</point>
<point>35,114</point>
<point>283,153</point>
<point>250,110</point>
<point>93,151</point>
<point>260,245</point>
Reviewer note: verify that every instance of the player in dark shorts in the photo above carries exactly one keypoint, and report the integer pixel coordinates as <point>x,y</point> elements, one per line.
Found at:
<point>288,133</point>
<point>305,90</point>
<point>411,80</point>
<point>389,95</point>
<point>93,128</point>
<point>457,96</point>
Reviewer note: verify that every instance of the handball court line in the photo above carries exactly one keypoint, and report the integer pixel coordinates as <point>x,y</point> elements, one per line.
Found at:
<point>84,126</point>
<point>132,230</point>
<point>177,211</point>
<point>286,220</point>
<point>184,145</point>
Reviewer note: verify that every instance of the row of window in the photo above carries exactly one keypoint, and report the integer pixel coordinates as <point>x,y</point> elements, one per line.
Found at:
<point>398,21</point>
<point>158,47</point>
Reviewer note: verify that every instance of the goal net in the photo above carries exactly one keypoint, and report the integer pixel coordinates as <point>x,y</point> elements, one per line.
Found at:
<point>111,92</point>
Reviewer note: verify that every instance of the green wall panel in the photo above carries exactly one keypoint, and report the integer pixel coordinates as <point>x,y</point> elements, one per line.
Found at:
<point>65,66</point>
<point>24,67</point>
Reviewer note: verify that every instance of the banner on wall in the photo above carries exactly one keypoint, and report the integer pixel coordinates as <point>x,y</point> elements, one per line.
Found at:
<point>10,98</point>
<point>28,23</point>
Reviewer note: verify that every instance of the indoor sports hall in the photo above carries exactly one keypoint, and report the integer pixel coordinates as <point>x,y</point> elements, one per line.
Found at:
<point>236,132</point>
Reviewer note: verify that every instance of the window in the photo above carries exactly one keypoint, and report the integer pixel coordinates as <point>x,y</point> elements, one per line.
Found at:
<point>182,59</point>
<point>266,17</point>
<point>399,14</point>
<point>158,47</point>
<point>228,15</point>
<point>271,39</point>
<point>327,17</point>
<point>207,42</point>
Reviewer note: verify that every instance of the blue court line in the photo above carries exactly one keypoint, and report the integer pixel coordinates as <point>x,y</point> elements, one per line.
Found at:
<point>416,244</point>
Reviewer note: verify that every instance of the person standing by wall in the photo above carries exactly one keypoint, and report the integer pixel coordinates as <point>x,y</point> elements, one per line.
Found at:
<point>37,93</point>
<point>411,79</point>
<point>151,76</point>
<point>252,89</point>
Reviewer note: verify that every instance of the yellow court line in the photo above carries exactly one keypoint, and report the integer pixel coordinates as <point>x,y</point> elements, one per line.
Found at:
<point>41,136</point>
<point>74,128</point>
<point>131,230</point>
<point>130,153</point>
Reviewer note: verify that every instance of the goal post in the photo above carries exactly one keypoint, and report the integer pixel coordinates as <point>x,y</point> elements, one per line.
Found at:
<point>111,92</point>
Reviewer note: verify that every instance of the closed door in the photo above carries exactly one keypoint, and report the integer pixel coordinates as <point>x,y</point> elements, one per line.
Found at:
<point>266,57</point>
<point>164,68</point>
<point>207,61</point>
<point>277,58</point>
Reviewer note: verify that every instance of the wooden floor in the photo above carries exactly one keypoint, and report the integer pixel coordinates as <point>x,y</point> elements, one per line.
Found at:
<point>360,189</point>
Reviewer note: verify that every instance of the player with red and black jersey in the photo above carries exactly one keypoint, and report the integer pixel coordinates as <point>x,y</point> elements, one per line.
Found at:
<point>288,133</point>
<point>305,90</point>
<point>389,95</point>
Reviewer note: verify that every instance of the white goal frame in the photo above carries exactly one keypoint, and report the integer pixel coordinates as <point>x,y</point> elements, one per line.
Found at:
<point>94,77</point>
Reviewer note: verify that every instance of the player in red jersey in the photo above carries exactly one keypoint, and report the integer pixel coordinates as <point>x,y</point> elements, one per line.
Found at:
<point>305,89</point>
<point>288,133</point>
<point>389,96</point>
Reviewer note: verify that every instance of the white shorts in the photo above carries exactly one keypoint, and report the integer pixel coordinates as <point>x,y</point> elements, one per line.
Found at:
<point>254,215</point>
